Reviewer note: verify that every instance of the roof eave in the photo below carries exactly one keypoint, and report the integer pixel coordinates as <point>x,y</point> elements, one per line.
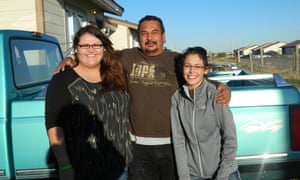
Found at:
<point>109,6</point>
<point>121,22</point>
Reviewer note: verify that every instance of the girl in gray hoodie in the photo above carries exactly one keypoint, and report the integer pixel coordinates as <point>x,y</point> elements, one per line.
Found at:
<point>203,131</point>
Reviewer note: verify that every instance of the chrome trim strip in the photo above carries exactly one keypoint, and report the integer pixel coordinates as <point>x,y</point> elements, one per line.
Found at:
<point>35,172</point>
<point>261,156</point>
<point>2,172</point>
<point>242,77</point>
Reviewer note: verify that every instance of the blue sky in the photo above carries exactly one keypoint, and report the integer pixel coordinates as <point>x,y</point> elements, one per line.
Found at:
<point>219,25</point>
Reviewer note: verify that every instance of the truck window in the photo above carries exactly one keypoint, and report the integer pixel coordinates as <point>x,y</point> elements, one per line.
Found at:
<point>33,61</point>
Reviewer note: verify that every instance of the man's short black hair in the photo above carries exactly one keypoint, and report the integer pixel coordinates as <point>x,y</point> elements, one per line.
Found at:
<point>151,18</point>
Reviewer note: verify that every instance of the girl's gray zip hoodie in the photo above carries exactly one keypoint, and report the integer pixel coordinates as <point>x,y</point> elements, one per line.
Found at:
<point>204,134</point>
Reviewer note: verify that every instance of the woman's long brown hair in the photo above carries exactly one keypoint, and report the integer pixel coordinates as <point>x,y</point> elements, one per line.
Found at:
<point>112,72</point>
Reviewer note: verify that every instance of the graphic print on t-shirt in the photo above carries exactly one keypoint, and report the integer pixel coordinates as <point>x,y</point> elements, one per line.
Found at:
<point>149,74</point>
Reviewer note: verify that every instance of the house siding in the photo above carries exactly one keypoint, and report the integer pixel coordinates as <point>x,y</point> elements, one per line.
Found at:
<point>54,20</point>
<point>275,48</point>
<point>16,14</point>
<point>124,37</point>
<point>124,34</point>
<point>120,38</point>
<point>45,16</point>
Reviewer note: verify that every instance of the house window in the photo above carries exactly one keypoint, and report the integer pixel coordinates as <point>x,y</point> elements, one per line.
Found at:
<point>74,21</point>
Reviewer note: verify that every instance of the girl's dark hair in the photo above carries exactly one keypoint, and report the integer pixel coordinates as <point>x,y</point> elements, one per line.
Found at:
<point>200,51</point>
<point>112,72</point>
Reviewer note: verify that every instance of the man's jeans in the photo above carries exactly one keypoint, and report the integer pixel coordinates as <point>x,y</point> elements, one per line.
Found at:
<point>152,162</point>
<point>124,175</point>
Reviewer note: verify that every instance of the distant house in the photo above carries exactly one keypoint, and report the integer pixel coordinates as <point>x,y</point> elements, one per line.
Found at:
<point>122,33</point>
<point>289,48</point>
<point>60,18</point>
<point>245,51</point>
<point>269,48</point>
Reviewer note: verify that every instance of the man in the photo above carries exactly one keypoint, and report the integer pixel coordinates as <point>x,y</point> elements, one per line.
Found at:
<point>151,88</point>
<point>152,81</point>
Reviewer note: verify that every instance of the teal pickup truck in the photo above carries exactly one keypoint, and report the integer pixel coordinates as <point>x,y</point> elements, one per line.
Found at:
<point>266,111</point>
<point>27,61</point>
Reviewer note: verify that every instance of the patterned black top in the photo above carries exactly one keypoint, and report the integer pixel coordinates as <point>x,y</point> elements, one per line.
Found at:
<point>95,124</point>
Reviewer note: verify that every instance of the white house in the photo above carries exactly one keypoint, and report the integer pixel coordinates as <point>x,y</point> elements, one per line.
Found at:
<point>290,47</point>
<point>269,48</point>
<point>123,34</point>
<point>245,51</point>
<point>60,18</point>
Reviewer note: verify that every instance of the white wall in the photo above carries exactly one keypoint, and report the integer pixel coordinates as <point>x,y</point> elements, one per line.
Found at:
<point>123,38</point>
<point>275,47</point>
<point>18,14</point>
<point>120,38</point>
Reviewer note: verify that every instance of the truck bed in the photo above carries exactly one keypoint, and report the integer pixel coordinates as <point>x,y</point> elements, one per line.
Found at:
<point>266,113</point>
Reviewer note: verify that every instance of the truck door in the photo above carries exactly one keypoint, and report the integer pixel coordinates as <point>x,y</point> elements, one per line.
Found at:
<point>33,65</point>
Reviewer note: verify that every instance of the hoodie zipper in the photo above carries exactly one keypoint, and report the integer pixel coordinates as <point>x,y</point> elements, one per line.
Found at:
<point>195,135</point>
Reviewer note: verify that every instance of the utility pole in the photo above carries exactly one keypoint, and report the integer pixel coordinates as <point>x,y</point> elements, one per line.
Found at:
<point>175,42</point>
<point>251,62</point>
<point>232,51</point>
<point>296,52</point>
<point>262,57</point>
<point>238,60</point>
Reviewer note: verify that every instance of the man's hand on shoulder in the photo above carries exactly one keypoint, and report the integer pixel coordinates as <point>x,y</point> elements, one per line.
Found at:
<point>68,61</point>
<point>225,94</point>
